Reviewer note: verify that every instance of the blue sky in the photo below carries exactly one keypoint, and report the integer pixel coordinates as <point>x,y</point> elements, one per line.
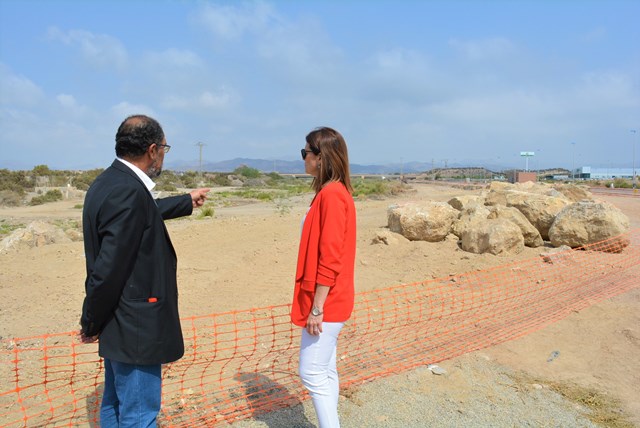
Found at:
<point>462,82</point>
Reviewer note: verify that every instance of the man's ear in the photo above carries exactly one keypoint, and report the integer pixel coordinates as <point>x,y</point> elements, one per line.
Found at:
<point>152,150</point>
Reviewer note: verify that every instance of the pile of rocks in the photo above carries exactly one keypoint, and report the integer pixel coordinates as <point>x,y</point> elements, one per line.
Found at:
<point>507,217</point>
<point>38,234</point>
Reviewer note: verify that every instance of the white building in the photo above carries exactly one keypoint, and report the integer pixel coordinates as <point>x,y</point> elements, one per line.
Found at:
<point>604,173</point>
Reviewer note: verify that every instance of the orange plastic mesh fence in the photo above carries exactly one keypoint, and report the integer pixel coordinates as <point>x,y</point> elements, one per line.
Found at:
<point>243,363</point>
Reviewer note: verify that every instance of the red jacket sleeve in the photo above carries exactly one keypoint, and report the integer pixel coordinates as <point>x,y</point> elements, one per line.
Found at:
<point>333,219</point>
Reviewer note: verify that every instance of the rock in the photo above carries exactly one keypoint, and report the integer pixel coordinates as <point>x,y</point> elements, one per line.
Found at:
<point>574,193</point>
<point>436,370</point>
<point>553,255</point>
<point>465,201</point>
<point>428,221</point>
<point>74,235</point>
<point>467,218</point>
<point>583,223</point>
<point>530,234</point>
<point>386,237</point>
<point>496,236</point>
<point>540,210</point>
<point>36,234</point>
<point>496,197</point>
<point>501,185</point>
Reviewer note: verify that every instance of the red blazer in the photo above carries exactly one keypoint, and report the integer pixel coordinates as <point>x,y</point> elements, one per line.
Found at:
<point>327,255</point>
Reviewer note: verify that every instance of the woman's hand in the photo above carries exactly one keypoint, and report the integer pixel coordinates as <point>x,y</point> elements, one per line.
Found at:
<point>314,324</point>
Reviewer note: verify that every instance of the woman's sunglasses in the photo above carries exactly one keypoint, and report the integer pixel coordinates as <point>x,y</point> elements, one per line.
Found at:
<point>304,152</point>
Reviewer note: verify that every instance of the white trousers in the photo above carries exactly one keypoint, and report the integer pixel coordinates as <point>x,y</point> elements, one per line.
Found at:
<point>319,374</point>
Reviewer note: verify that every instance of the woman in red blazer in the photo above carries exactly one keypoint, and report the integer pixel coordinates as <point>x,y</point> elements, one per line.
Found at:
<point>324,290</point>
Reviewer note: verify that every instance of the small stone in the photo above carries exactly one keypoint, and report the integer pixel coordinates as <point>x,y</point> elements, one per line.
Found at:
<point>436,370</point>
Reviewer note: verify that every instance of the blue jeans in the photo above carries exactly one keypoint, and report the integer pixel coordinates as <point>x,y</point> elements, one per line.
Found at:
<point>132,395</point>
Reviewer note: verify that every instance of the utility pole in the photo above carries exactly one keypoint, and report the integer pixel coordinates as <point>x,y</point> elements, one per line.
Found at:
<point>200,145</point>
<point>633,169</point>
<point>573,162</point>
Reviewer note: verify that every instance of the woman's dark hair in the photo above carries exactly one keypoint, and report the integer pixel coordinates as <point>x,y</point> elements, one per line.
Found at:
<point>334,160</point>
<point>135,134</point>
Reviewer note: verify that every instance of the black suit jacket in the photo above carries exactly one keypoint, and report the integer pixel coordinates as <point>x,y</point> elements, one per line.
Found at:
<point>131,290</point>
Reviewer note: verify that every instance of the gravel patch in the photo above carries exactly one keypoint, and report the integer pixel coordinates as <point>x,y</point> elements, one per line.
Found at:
<point>473,392</point>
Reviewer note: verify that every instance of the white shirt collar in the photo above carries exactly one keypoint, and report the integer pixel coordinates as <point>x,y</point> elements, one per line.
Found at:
<point>141,175</point>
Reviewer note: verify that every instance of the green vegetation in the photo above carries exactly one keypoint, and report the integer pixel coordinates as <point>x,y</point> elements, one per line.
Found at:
<point>621,183</point>
<point>50,196</point>
<point>83,180</point>
<point>270,187</point>
<point>247,172</point>
<point>9,198</point>
<point>7,228</point>
<point>206,211</point>
<point>18,182</point>
<point>377,187</point>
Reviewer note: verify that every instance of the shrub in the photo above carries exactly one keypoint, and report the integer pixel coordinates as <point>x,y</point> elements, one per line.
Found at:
<point>16,181</point>
<point>247,171</point>
<point>85,178</point>
<point>367,188</point>
<point>621,183</point>
<point>9,198</point>
<point>206,211</point>
<point>166,187</point>
<point>221,180</point>
<point>50,196</point>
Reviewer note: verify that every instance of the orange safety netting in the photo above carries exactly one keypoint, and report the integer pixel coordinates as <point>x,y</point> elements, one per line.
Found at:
<point>244,363</point>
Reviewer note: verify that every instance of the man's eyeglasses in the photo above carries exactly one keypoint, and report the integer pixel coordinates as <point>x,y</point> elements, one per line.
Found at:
<point>304,153</point>
<point>165,147</point>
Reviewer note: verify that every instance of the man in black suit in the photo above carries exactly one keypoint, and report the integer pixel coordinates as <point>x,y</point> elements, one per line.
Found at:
<point>131,301</point>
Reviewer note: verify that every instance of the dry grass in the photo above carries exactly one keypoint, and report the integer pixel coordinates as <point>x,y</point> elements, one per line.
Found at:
<point>603,409</point>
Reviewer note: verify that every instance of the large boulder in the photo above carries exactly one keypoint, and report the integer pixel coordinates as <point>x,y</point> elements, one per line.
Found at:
<point>540,210</point>
<point>495,236</point>
<point>468,217</point>
<point>498,193</point>
<point>496,197</point>
<point>36,234</point>
<point>530,234</point>
<point>583,223</point>
<point>574,193</point>
<point>465,201</point>
<point>428,221</point>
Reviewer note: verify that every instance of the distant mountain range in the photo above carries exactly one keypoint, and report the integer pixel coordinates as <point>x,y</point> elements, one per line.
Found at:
<point>294,167</point>
<point>290,166</point>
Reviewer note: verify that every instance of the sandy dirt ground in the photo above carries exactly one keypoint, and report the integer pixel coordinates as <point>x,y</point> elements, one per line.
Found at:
<point>244,257</point>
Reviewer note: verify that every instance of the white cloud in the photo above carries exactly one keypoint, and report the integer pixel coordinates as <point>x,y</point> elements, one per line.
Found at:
<point>204,100</point>
<point>172,58</point>
<point>228,22</point>
<point>124,109</point>
<point>483,49</point>
<point>606,89</point>
<point>399,59</point>
<point>99,50</point>
<point>66,100</point>
<point>209,99</point>
<point>18,91</point>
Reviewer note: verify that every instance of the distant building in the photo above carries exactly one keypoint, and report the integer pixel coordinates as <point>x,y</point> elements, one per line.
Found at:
<point>586,172</point>
<point>589,173</point>
<point>515,176</point>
